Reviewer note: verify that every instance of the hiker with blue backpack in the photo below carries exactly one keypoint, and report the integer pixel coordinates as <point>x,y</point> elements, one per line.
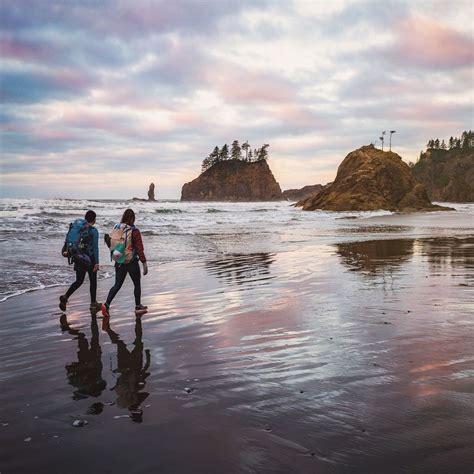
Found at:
<point>81,247</point>
<point>126,250</point>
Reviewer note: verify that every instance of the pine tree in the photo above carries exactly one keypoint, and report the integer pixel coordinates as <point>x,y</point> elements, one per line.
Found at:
<point>224,153</point>
<point>465,140</point>
<point>436,144</point>
<point>245,147</point>
<point>263,152</point>
<point>214,156</point>
<point>443,145</point>
<point>235,151</point>
<point>451,142</point>
<point>205,164</point>
<point>250,157</point>
<point>458,143</point>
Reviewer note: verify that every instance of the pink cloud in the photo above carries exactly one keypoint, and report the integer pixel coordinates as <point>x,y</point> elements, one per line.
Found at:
<point>22,50</point>
<point>236,84</point>
<point>427,43</point>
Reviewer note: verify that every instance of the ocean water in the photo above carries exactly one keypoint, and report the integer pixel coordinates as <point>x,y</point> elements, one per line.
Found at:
<point>32,233</point>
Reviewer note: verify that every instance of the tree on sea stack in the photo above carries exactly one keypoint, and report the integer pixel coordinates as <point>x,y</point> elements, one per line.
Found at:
<point>245,147</point>
<point>235,151</point>
<point>214,156</point>
<point>263,152</point>
<point>224,153</point>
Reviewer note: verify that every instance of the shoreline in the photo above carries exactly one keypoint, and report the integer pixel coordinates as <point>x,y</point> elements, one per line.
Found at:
<point>256,362</point>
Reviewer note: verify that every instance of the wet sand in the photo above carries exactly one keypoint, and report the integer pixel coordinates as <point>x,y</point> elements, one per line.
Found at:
<point>353,357</point>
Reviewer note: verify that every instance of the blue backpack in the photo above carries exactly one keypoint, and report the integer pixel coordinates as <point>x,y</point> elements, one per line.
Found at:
<point>78,242</point>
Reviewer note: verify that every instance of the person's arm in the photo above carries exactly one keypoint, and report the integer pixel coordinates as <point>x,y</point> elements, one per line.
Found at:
<point>95,245</point>
<point>137,244</point>
<point>64,249</point>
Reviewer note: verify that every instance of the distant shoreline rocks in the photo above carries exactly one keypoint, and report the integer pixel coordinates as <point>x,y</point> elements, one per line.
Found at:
<point>370,179</point>
<point>302,193</point>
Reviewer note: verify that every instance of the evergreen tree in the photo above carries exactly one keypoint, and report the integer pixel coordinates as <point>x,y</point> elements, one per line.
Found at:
<point>443,145</point>
<point>263,152</point>
<point>224,153</point>
<point>255,154</point>
<point>465,140</point>
<point>451,142</point>
<point>245,147</point>
<point>214,156</point>
<point>205,164</point>
<point>458,143</point>
<point>235,151</point>
<point>250,157</point>
<point>436,144</point>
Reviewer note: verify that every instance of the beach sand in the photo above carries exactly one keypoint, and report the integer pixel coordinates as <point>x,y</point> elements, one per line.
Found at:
<point>354,357</point>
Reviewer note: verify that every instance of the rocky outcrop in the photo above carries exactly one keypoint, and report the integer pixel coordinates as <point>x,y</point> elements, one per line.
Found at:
<point>302,193</point>
<point>151,195</point>
<point>370,179</point>
<point>448,175</point>
<point>151,192</point>
<point>234,180</point>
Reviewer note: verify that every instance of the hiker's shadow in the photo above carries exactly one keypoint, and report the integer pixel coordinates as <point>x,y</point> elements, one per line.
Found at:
<point>85,374</point>
<point>132,367</point>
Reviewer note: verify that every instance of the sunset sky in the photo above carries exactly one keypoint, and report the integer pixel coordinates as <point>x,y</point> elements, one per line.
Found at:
<point>99,98</point>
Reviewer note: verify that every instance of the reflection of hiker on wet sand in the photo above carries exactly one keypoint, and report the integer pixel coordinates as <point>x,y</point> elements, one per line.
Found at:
<point>132,370</point>
<point>85,374</point>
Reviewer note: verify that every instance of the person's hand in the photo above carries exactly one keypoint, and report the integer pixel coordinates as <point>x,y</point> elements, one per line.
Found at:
<point>145,268</point>
<point>65,254</point>
<point>96,268</point>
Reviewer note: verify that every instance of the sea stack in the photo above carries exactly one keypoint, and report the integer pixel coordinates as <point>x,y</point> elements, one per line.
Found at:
<point>235,181</point>
<point>370,179</point>
<point>151,192</point>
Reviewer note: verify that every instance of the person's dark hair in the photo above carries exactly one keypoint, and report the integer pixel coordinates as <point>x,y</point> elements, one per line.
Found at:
<point>128,217</point>
<point>90,216</point>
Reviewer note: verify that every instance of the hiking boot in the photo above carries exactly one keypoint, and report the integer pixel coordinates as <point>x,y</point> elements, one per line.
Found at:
<point>62,302</point>
<point>105,310</point>
<point>95,307</point>
<point>140,309</point>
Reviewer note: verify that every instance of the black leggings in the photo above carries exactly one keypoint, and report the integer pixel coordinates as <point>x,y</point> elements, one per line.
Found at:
<point>80,275</point>
<point>121,270</point>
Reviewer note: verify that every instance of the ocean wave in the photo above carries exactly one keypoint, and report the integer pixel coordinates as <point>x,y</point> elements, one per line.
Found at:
<point>264,210</point>
<point>213,211</point>
<point>169,211</point>
<point>67,214</point>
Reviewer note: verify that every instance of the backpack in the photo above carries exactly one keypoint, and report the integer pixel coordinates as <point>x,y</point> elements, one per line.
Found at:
<point>78,241</point>
<point>121,250</point>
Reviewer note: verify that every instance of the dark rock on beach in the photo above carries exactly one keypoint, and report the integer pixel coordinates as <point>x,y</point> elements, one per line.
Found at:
<point>370,179</point>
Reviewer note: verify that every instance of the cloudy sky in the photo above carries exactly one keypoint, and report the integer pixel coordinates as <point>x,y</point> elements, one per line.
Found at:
<point>99,98</point>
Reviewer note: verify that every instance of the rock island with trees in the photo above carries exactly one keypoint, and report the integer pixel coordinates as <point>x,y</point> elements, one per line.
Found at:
<point>238,173</point>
